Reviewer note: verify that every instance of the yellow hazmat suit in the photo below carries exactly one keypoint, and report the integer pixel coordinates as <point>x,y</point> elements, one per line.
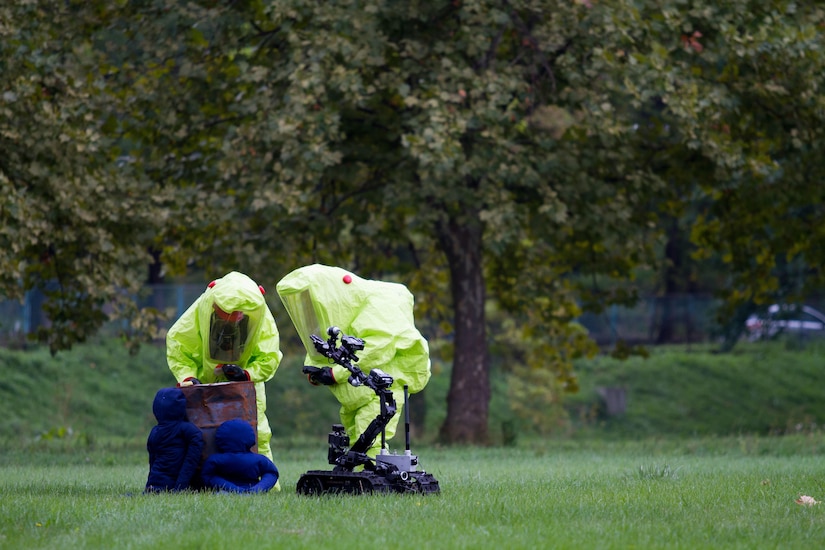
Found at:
<point>229,323</point>
<point>380,313</point>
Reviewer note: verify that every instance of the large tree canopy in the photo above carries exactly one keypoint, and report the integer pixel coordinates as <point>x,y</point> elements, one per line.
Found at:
<point>75,217</point>
<point>496,156</point>
<point>737,87</point>
<point>395,136</point>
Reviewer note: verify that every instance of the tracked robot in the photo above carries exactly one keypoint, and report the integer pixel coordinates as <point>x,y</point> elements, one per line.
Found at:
<point>387,473</point>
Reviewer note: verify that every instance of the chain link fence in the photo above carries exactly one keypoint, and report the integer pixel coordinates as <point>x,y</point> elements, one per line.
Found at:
<point>18,319</point>
<point>687,318</point>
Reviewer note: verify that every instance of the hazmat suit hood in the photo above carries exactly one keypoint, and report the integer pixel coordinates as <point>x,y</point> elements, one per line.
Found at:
<point>169,405</point>
<point>231,312</point>
<point>229,323</point>
<point>235,436</point>
<point>380,313</point>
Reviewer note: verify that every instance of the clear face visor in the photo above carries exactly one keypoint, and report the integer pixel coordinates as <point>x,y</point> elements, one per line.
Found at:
<point>302,312</point>
<point>227,336</point>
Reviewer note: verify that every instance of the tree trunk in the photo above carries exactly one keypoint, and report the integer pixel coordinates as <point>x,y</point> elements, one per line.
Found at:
<point>673,271</point>
<point>468,399</point>
<point>155,268</point>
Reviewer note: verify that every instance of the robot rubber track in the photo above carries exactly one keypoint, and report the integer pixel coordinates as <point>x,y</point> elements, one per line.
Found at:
<point>319,482</point>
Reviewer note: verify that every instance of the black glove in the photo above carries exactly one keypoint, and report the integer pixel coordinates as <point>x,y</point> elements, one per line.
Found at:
<point>234,373</point>
<point>318,376</point>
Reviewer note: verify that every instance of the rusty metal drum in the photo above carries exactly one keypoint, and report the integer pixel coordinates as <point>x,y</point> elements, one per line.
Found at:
<point>210,405</point>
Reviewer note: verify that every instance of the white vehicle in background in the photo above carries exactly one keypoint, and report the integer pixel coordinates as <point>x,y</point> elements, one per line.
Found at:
<point>785,319</point>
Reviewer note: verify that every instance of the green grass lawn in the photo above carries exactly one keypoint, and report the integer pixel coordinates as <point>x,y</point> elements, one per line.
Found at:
<point>712,452</point>
<point>690,493</point>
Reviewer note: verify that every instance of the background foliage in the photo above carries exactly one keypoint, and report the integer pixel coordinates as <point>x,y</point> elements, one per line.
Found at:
<point>509,159</point>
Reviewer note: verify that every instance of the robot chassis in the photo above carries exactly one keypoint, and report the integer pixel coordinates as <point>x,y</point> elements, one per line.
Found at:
<point>387,473</point>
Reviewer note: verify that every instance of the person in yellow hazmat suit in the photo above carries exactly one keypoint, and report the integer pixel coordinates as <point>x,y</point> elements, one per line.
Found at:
<point>378,312</point>
<point>228,335</point>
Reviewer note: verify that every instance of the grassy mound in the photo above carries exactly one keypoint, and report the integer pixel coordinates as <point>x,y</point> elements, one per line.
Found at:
<point>97,391</point>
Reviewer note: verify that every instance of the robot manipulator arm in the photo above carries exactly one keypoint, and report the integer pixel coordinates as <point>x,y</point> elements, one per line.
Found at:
<point>344,355</point>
